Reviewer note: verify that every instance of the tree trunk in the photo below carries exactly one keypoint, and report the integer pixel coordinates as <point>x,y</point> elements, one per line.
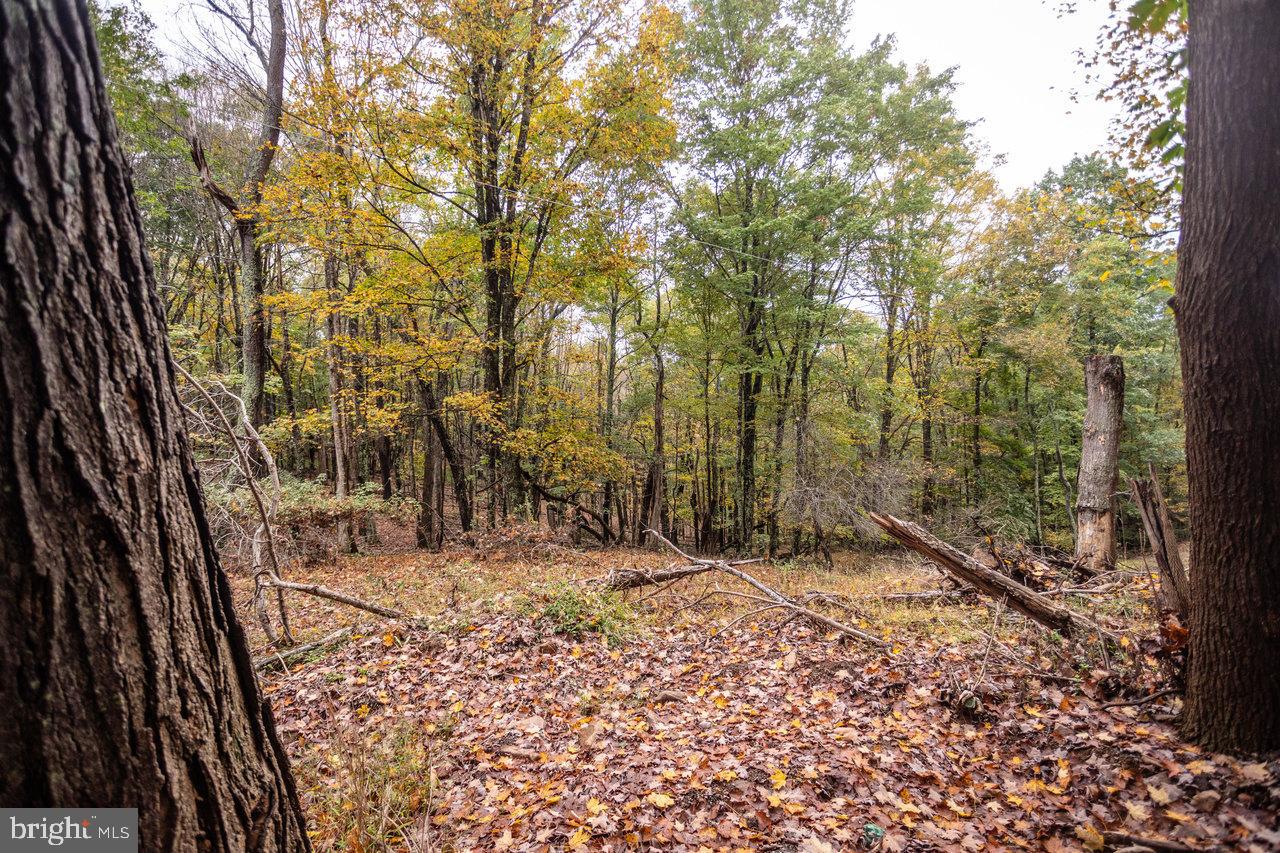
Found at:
<point>248,222</point>
<point>1228,312</point>
<point>126,678</point>
<point>429,531</point>
<point>1099,461</point>
<point>457,466</point>
<point>337,418</point>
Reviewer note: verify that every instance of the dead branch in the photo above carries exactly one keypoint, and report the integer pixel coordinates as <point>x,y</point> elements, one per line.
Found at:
<point>264,535</point>
<point>1118,839</point>
<point>271,579</point>
<point>633,578</point>
<point>1026,601</point>
<point>772,595</point>
<point>1149,497</point>
<point>625,579</point>
<point>1159,694</point>
<point>283,659</point>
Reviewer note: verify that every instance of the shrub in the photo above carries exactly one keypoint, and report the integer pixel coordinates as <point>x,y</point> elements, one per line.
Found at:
<point>575,610</point>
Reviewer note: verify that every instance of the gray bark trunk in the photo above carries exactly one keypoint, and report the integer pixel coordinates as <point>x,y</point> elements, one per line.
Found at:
<point>1099,463</point>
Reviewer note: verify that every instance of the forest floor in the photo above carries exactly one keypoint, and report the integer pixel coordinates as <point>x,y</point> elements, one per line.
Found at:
<point>533,714</point>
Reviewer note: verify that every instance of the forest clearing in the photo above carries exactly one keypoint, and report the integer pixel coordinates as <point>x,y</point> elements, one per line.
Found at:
<point>695,425</point>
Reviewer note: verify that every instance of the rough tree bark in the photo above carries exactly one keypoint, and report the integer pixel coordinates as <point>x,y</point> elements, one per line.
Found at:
<point>126,679</point>
<point>1228,312</point>
<point>1099,463</point>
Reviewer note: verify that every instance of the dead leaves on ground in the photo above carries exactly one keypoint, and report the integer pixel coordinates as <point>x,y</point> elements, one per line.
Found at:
<point>755,740</point>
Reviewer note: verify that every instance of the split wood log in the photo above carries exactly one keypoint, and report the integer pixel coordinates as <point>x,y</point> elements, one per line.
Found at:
<point>1173,595</point>
<point>772,596</point>
<point>1026,601</point>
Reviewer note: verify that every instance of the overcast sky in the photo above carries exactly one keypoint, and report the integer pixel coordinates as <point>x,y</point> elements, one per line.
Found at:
<point>1016,68</point>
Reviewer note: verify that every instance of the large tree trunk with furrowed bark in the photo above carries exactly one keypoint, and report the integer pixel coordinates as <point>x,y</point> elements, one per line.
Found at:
<point>1099,463</point>
<point>1228,312</point>
<point>125,678</point>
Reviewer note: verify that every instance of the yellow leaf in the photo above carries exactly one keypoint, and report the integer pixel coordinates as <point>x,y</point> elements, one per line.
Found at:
<point>660,800</point>
<point>388,640</point>
<point>1137,811</point>
<point>1092,839</point>
<point>596,807</point>
<point>778,778</point>
<point>1106,275</point>
<point>579,838</point>
<point>727,775</point>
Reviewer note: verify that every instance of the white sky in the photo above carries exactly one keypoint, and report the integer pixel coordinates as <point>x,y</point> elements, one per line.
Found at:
<point>1016,69</point>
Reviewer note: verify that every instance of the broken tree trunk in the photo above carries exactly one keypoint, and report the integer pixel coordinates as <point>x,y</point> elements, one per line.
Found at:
<point>1026,601</point>
<point>1099,463</point>
<point>1173,596</point>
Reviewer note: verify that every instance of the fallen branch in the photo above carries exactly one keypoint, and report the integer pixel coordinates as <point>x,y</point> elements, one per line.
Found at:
<point>283,659</point>
<point>1159,694</point>
<point>1028,602</point>
<point>1173,594</point>
<point>772,596</point>
<point>625,579</point>
<point>1124,839</point>
<point>274,580</point>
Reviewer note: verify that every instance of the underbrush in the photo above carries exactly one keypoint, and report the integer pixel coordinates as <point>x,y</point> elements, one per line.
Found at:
<point>575,610</point>
<point>375,789</point>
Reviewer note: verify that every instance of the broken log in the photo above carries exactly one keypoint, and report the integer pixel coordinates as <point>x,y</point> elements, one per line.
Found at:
<point>1173,595</point>
<point>1026,601</point>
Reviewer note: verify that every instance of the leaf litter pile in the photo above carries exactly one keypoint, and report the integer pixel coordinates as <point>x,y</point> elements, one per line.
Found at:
<point>567,720</point>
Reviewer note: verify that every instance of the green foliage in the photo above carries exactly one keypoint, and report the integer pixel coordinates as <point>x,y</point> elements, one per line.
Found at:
<point>308,502</point>
<point>576,610</point>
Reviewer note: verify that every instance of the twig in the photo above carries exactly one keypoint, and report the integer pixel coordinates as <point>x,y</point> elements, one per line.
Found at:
<point>991,638</point>
<point>1116,839</point>
<point>282,659</point>
<point>1159,694</point>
